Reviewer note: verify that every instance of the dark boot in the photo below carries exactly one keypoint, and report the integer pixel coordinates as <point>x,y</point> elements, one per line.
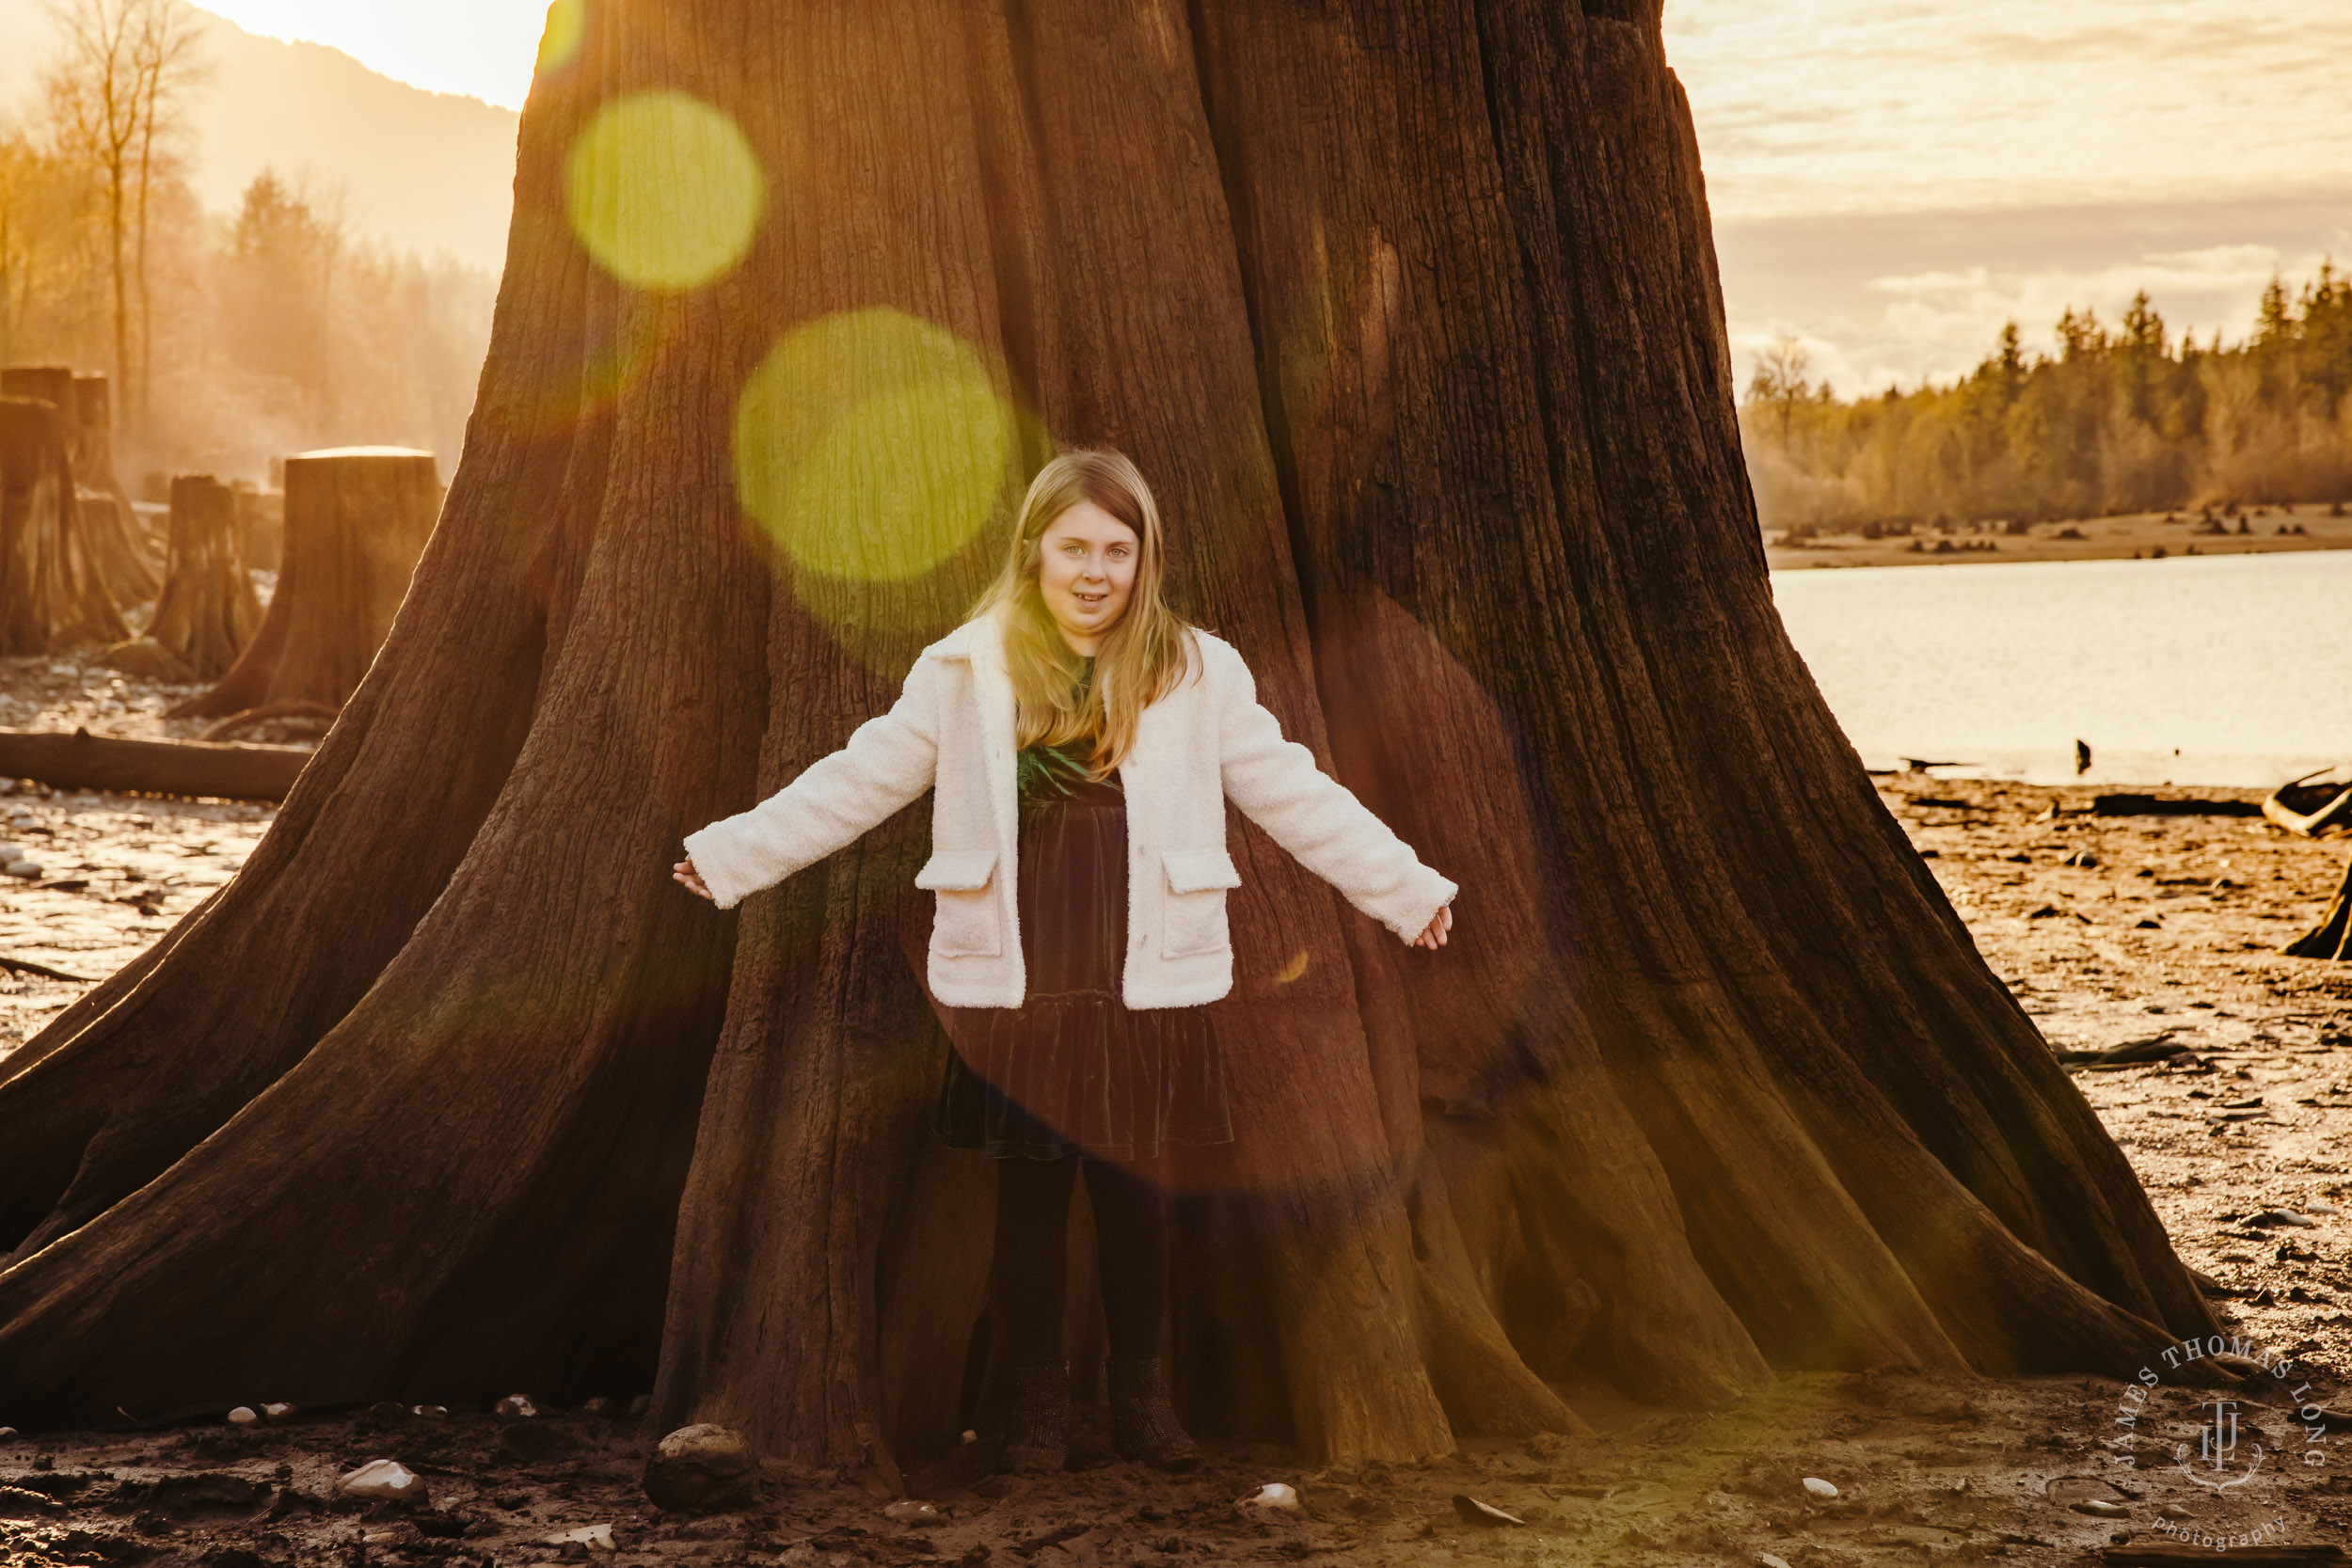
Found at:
<point>1143,1419</point>
<point>1036,1432</point>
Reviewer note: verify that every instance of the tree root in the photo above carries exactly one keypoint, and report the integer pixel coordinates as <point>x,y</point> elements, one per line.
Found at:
<point>254,717</point>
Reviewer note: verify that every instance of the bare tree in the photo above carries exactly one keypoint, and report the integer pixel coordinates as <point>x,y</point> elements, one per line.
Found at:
<point>169,66</point>
<point>19,168</point>
<point>1779,380</point>
<point>113,92</point>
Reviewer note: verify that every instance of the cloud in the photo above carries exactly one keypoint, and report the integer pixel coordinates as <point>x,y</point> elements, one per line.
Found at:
<point>1861,105</point>
<point>1899,300</point>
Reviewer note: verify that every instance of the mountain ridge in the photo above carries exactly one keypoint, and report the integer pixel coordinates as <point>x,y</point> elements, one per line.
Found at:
<point>420,170</point>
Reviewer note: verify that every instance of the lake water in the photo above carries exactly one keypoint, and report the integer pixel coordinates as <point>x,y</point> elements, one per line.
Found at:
<point>2222,670</point>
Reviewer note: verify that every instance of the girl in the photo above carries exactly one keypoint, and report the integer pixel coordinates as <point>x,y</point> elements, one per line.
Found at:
<point>1082,741</point>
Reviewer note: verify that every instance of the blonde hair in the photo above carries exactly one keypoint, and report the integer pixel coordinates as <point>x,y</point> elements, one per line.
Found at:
<point>1142,656</point>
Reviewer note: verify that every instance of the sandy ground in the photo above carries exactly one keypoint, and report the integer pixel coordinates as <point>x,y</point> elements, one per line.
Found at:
<point>2109,929</point>
<point>117,871</point>
<point>2138,534</point>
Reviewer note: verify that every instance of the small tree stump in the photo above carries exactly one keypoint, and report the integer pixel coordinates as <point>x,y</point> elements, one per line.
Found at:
<point>94,439</point>
<point>52,591</point>
<point>117,544</point>
<point>207,611</point>
<point>357,519</point>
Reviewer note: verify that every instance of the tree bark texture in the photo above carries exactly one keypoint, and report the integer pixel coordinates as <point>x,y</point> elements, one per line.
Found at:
<point>52,583</point>
<point>207,611</point>
<point>86,403</point>
<point>357,519</point>
<point>1410,314</point>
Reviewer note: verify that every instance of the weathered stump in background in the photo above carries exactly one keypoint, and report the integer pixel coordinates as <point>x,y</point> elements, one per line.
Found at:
<point>53,593</point>
<point>2332,937</point>
<point>207,611</point>
<point>357,519</point>
<point>94,439</point>
<point>116,542</point>
<point>261,527</point>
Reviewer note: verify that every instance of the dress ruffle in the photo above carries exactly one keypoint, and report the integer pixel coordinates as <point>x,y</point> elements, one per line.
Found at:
<point>1073,1068</point>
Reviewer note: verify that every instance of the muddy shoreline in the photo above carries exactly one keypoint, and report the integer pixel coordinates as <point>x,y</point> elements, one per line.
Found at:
<point>2143,535</point>
<point>2109,930</point>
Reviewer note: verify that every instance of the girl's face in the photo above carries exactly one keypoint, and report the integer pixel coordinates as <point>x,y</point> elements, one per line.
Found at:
<point>1086,570</point>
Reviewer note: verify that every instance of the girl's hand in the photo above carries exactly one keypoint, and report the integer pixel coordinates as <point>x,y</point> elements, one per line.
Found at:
<point>1439,924</point>
<point>688,878</point>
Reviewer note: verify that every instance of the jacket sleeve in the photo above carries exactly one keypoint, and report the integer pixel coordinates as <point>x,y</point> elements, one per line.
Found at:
<point>1318,819</point>
<point>889,761</point>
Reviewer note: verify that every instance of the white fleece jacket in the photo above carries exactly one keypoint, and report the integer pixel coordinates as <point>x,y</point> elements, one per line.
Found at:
<point>1208,740</point>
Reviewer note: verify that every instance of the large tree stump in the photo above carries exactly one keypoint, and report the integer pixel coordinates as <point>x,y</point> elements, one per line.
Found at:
<point>118,543</point>
<point>207,611</point>
<point>1410,314</point>
<point>357,519</point>
<point>53,592</point>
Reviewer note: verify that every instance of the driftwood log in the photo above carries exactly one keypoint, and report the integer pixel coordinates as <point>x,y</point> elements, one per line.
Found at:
<point>87,761</point>
<point>2318,810</point>
<point>2312,810</point>
<point>357,519</point>
<point>2128,803</point>
<point>53,590</point>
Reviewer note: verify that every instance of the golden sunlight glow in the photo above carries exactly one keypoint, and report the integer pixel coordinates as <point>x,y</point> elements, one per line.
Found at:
<point>567,30</point>
<point>663,191</point>
<point>871,445</point>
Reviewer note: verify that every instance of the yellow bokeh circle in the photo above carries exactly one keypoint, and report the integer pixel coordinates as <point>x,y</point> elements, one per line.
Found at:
<point>664,191</point>
<point>567,30</point>
<point>870,444</point>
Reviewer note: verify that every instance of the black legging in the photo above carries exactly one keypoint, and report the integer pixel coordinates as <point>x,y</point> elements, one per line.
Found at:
<point>1032,1252</point>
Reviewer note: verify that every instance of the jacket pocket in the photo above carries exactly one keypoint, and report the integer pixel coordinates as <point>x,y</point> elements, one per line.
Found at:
<point>966,921</point>
<point>1193,914</point>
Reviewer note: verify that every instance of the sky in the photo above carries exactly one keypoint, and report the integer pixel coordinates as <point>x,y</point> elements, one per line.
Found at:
<point>1890,179</point>
<point>480,48</point>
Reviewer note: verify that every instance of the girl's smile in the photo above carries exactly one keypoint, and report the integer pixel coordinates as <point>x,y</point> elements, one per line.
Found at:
<point>1085,573</point>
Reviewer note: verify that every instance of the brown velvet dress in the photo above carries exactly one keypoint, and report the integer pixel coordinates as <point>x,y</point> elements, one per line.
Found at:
<point>1073,1068</point>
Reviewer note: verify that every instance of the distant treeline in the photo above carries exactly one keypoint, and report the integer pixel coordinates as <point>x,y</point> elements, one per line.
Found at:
<point>230,339</point>
<point>2120,420</point>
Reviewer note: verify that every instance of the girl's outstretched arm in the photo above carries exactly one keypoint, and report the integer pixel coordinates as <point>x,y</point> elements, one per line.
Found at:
<point>1319,821</point>
<point>889,761</point>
